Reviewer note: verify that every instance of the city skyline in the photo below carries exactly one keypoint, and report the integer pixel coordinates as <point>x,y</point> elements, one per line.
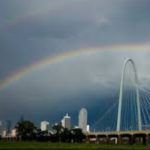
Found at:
<point>9,130</point>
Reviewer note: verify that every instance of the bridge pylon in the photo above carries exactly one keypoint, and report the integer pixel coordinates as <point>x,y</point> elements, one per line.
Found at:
<point>129,60</point>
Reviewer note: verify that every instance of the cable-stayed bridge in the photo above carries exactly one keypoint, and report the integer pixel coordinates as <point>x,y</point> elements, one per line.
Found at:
<point>130,113</point>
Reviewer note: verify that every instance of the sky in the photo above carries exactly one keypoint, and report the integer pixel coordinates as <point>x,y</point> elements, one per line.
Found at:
<point>32,30</point>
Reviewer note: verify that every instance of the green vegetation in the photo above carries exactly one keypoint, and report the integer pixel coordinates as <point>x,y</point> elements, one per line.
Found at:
<point>66,146</point>
<point>27,131</point>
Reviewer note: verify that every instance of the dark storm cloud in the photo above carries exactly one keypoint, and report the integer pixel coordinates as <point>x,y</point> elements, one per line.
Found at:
<point>33,29</point>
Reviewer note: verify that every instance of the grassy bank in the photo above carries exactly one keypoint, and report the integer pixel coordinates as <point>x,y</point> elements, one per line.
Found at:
<point>62,146</point>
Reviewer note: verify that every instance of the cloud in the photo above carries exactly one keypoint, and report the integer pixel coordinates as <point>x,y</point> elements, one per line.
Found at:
<point>33,29</point>
<point>81,81</point>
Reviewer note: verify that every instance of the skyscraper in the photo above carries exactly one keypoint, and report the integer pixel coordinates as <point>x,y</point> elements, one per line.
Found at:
<point>83,119</point>
<point>44,126</point>
<point>8,127</point>
<point>66,122</point>
<point>1,128</point>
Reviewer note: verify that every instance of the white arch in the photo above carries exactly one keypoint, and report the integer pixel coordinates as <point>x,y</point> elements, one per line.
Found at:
<point>129,60</point>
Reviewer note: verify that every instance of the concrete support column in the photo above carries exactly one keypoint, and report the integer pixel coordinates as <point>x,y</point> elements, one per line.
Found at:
<point>87,139</point>
<point>131,141</point>
<point>119,141</point>
<point>145,139</point>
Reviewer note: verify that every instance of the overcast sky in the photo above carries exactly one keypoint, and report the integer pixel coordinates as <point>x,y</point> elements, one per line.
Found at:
<point>31,30</point>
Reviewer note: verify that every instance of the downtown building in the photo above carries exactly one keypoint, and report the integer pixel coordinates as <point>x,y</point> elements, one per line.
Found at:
<point>66,122</point>
<point>83,114</point>
<point>1,128</point>
<point>44,126</point>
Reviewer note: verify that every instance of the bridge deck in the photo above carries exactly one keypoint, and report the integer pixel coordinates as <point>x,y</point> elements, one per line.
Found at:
<point>119,133</point>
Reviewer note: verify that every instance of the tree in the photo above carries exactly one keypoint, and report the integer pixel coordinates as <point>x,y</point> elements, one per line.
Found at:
<point>77,135</point>
<point>66,135</point>
<point>43,135</point>
<point>26,130</point>
<point>58,128</point>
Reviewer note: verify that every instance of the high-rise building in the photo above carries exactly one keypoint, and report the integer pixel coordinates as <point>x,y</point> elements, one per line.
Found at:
<point>83,119</point>
<point>13,133</point>
<point>21,118</point>
<point>4,133</point>
<point>88,128</point>
<point>8,127</point>
<point>44,126</point>
<point>66,122</point>
<point>1,128</point>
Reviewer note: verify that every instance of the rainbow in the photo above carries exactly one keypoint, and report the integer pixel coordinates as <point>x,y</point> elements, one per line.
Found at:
<point>60,58</point>
<point>10,22</point>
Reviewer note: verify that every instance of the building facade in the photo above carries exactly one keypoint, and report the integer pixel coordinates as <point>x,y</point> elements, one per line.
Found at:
<point>44,126</point>
<point>66,122</point>
<point>1,128</point>
<point>83,114</point>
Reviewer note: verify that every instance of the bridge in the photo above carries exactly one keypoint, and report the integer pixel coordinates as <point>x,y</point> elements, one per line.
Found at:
<point>121,137</point>
<point>130,136</point>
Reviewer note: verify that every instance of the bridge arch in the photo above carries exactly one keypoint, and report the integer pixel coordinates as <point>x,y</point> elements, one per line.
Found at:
<point>129,60</point>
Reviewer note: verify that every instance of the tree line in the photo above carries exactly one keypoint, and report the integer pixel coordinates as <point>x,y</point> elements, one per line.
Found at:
<point>27,131</point>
